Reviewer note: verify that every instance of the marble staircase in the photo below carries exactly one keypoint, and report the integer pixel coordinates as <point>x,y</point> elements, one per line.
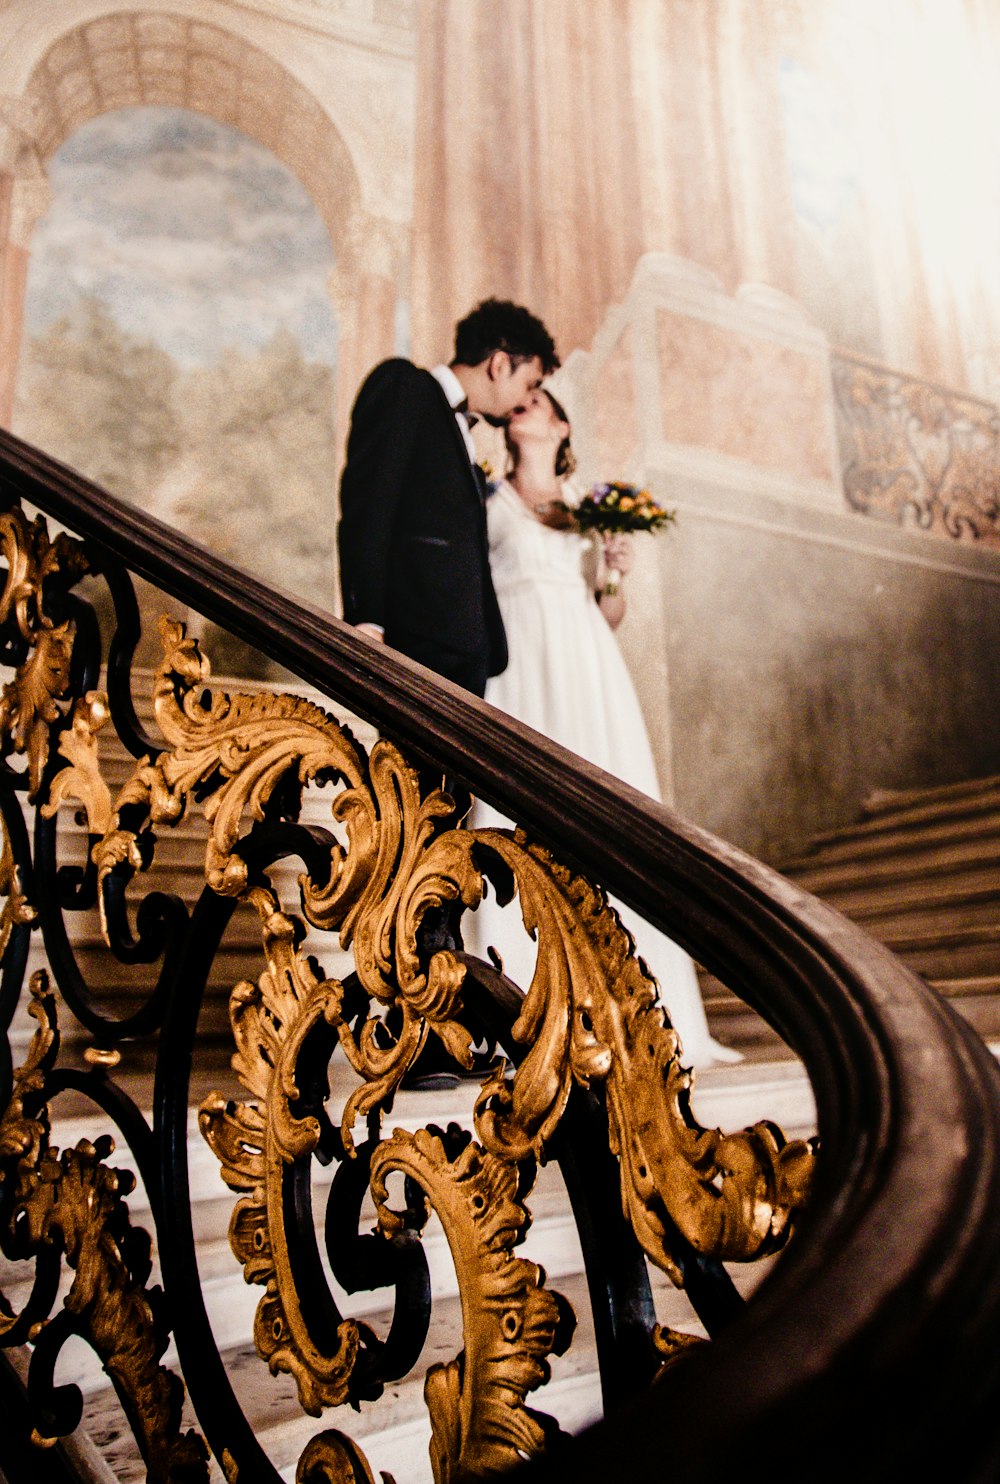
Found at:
<point>920,871</point>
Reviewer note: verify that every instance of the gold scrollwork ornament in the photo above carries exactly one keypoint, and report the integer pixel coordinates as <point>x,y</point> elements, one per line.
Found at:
<point>33,701</point>
<point>511,1323</point>
<point>398,866</point>
<point>592,1014</point>
<point>82,780</point>
<point>333,1458</point>
<point>257,1139</point>
<point>71,1201</point>
<point>234,751</point>
<point>16,909</point>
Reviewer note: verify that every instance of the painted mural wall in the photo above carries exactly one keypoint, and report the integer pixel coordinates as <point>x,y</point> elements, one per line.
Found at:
<point>764,232</point>
<point>837,150</point>
<point>180,346</point>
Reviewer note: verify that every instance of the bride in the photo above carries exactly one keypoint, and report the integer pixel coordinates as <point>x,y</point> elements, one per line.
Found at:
<point>566,678</point>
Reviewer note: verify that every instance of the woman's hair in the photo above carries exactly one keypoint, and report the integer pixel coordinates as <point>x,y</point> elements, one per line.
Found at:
<point>565,457</point>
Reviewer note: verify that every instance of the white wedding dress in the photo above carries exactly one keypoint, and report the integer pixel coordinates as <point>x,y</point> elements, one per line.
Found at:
<point>566,678</point>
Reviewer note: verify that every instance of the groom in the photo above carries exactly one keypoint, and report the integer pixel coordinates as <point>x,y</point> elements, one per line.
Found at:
<point>414,564</point>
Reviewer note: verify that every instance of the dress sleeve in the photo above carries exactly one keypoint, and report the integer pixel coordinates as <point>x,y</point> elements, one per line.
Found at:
<point>383,429</point>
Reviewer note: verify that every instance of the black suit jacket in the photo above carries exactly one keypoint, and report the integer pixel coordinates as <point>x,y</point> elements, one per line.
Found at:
<point>413,547</point>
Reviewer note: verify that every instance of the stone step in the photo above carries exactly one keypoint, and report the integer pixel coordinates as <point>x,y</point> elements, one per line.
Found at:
<point>975,996</point>
<point>867,843</point>
<point>917,807</point>
<point>733,1022</point>
<point>890,800</point>
<point>921,873</point>
<point>722,1096</point>
<point>231,1303</point>
<point>728,1097</point>
<point>978,1000</point>
<point>978,988</point>
<point>937,913</point>
<point>394,1432</point>
<point>239,956</point>
<point>972,860</point>
<point>966,953</point>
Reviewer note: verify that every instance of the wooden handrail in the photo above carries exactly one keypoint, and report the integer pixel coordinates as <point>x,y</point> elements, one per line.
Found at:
<point>874,1344</point>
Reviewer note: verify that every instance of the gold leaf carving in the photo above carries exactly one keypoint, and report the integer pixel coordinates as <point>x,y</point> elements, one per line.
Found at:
<point>16,908</point>
<point>28,704</point>
<point>257,1140</point>
<point>333,1458</point>
<point>580,946</point>
<point>24,1135</point>
<point>234,751</point>
<point>82,780</point>
<point>592,1015</point>
<point>673,1345</point>
<point>34,700</point>
<point>398,865</point>
<point>74,1203</point>
<point>511,1323</point>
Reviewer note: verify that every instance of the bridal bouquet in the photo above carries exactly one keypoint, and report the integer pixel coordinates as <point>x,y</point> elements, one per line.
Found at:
<point>616,509</point>
<point>612,509</point>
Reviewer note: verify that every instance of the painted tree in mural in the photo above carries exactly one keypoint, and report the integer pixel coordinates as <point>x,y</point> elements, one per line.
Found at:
<point>239,455</point>
<point>260,428</point>
<point>100,400</point>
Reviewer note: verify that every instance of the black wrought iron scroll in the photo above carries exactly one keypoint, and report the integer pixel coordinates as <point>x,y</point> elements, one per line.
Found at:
<point>591,1075</point>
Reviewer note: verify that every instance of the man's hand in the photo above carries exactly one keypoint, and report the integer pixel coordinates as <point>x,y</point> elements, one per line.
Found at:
<point>372,631</point>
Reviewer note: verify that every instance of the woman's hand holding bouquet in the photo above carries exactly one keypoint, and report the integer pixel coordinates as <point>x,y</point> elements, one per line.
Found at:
<point>616,557</point>
<point>615,511</point>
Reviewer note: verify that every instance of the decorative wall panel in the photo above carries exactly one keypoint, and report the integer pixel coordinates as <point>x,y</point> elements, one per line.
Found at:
<point>915,454</point>
<point>744,396</point>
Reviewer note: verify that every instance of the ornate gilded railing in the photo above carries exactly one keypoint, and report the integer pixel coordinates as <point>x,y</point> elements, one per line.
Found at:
<point>916,454</point>
<point>871,1345</point>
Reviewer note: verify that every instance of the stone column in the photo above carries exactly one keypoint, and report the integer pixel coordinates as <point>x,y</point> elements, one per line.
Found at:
<point>365,289</point>
<point>527,169</point>
<point>751,146</point>
<point>24,197</point>
<point>13,275</point>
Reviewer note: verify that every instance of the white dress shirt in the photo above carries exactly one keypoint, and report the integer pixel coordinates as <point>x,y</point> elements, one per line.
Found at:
<point>455,392</point>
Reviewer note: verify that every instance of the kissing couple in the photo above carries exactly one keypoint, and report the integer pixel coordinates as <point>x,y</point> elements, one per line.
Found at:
<point>492,587</point>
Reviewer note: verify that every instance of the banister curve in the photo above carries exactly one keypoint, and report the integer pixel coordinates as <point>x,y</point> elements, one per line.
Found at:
<point>873,1346</point>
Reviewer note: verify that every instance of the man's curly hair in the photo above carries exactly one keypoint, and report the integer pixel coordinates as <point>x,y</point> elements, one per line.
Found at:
<point>499,324</point>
